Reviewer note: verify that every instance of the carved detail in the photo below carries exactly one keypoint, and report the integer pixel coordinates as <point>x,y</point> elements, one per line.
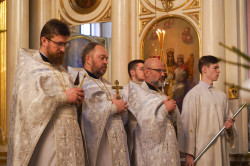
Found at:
<point>193,5</point>
<point>162,9</point>
<point>195,16</point>
<point>106,17</point>
<point>143,22</point>
<point>83,7</point>
<point>143,10</point>
<point>68,14</point>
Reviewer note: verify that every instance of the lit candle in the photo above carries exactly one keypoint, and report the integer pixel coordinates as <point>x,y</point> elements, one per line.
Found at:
<point>163,38</point>
<point>159,36</point>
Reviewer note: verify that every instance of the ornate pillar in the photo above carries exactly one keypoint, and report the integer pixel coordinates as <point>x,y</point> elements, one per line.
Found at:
<point>134,28</point>
<point>235,35</point>
<point>17,37</point>
<point>242,24</point>
<point>213,33</point>
<point>120,50</point>
<point>41,11</point>
<point>3,127</point>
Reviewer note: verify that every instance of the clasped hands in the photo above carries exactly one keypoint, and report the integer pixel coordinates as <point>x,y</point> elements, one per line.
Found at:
<point>75,95</point>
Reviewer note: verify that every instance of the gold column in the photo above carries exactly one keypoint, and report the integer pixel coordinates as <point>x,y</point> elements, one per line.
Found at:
<point>3,134</point>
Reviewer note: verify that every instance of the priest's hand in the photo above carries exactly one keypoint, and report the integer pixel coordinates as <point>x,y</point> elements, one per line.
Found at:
<point>75,95</point>
<point>170,104</point>
<point>120,104</point>
<point>229,123</point>
<point>189,161</point>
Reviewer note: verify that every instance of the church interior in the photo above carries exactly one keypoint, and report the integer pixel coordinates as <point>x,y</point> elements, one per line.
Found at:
<point>138,29</point>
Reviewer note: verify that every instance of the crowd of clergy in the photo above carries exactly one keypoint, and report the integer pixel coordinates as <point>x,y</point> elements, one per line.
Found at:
<point>74,117</point>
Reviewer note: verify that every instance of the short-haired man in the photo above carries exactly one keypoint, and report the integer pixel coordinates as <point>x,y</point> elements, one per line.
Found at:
<point>136,74</point>
<point>135,70</point>
<point>104,130</point>
<point>154,137</point>
<point>204,112</point>
<point>44,128</point>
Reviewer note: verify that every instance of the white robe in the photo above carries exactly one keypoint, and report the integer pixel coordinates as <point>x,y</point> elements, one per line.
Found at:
<point>40,114</point>
<point>125,90</point>
<point>153,134</point>
<point>104,130</point>
<point>204,112</point>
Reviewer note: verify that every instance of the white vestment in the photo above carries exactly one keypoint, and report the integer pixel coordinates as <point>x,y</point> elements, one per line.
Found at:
<point>43,127</point>
<point>204,113</point>
<point>125,90</point>
<point>153,135</point>
<point>104,130</point>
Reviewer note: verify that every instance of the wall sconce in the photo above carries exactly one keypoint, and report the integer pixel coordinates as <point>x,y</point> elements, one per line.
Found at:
<point>233,92</point>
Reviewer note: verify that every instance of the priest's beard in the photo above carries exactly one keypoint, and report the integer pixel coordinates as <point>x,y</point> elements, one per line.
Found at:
<point>98,71</point>
<point>56,58</point>
<point>158,83</point>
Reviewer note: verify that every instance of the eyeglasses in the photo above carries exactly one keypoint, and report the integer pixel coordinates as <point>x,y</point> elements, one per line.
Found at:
<point>60,45</point>
<point>159,70</point>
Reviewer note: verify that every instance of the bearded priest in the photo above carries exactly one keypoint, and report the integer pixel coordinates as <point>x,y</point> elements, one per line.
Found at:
<point>155,115</point>
<point>105,135</point>
<point>44,129</point>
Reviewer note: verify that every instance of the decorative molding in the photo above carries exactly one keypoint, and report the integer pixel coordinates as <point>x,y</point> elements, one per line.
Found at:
<point>62,19</point>
<point>167,4</point>
<point>83,10</point>
<point>65,12</point>
<point>143,22</point>
<point>193,5</point>
<point>195,16</point>
<point>3,64</point>
<point>162,9</point>
<point>106,17</point>
<point>143,10</point>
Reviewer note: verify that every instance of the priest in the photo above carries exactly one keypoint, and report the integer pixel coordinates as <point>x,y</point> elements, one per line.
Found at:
<point>205,111</point>
<point>154,137</point>
<point>105,135</point>
<point>135,72</point>
<point>44,129</point>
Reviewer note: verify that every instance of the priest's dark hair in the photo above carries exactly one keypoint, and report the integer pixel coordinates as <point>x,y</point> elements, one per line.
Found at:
<point>132,65</point>
<point>87,49</point>
<point>206,61</point>
<point>54,27</point>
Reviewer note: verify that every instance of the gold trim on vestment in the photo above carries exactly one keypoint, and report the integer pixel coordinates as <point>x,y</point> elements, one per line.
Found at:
<point>62,84</point>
